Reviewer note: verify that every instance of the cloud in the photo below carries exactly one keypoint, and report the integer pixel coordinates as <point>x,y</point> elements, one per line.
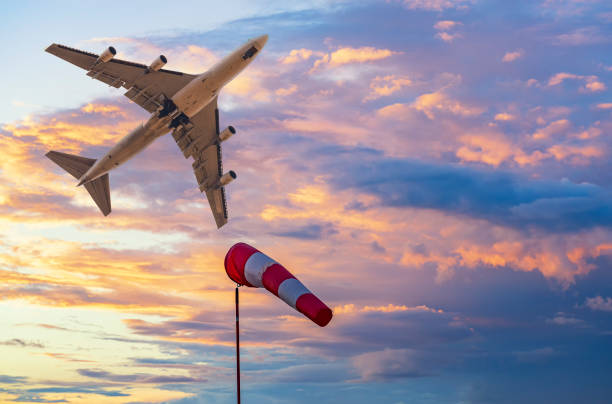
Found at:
<point>489,148</point>
<point>446,37</point>
<point>552,129</point>
<point>283,92</point>
<point>4,379</point>
<point>383,86</point>
<point>497,196</point>
<point>605,105</point>
<point>349,55</point>
<point>298,55</point>
<point>504,117</point>
<point>591,83</point>
<point>86,390</point>
<point>443,27</point>
<point>577,155</point>
<point>582,36</point>
<point>137,378</point>
<point>535,355</point>
<point>436,102</point>
<point>436,5</point>
<point>599,303</point>
<point>308,232</point>
<point>565,320</point>
<point>389,364</point>
<point>512,56</point>
<point>22,343</point>
<point>446,25</point>
<point>306,373</point>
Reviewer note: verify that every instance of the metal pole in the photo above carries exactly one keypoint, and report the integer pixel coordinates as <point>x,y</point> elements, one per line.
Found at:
<point>237,349</point>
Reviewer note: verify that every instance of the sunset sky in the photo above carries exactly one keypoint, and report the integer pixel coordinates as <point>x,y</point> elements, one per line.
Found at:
<point>437,171</point>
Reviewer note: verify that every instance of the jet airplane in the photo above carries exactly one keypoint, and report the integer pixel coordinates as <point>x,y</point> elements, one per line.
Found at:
<point>183,103</point>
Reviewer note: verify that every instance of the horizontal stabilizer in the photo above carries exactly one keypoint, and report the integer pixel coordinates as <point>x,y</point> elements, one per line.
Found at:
<point>74,165</point>
<point>99,190</point>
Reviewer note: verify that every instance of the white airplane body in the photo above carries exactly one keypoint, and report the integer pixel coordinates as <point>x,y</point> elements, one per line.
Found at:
<point>182,103</point>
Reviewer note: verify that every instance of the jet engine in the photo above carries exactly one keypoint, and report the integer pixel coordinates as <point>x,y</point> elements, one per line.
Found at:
<point>227,178</point>
<point>227,133</point>
<point>107,55</point>
<point>157,63</point>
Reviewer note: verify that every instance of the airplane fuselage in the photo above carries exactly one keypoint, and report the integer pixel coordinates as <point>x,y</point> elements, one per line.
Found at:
<point>186,103</point>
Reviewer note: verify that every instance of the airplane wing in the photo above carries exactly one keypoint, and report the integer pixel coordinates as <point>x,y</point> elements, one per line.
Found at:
<point>200,141</point>
<point>146,88</point>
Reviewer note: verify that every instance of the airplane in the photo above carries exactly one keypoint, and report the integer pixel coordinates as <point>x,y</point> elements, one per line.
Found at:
<point>183,103</point>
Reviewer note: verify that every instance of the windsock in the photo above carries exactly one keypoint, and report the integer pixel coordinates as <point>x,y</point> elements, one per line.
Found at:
<point>248,266</point>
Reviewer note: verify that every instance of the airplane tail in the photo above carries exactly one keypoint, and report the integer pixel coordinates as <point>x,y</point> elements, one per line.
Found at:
<point>76,166</point>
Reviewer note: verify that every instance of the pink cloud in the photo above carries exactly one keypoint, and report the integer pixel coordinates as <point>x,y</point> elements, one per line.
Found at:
<point>443,27</point>
<point>446,25</point>
<point>436,5</point>
<point>591,83</point>
<point>512,56</point>
<point>298,55</point>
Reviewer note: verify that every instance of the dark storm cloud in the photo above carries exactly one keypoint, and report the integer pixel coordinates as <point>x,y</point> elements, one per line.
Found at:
<point>137,378</point>
<point>500,197</point>
<point>4,379</point>
<point>102,392</point>
<point>308,232</point>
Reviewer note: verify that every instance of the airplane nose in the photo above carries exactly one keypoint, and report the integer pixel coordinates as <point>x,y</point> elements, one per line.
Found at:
<point>261,41</point>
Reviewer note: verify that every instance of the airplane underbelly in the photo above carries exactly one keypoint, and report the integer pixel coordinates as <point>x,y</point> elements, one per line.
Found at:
<point>191,99</point>
<point>130,145</point>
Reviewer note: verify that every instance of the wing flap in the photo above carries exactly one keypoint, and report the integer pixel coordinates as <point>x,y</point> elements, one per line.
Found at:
<point>216,199</point>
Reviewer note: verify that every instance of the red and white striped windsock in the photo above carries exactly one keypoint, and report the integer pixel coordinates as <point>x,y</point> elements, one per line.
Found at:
<point>248,266</point>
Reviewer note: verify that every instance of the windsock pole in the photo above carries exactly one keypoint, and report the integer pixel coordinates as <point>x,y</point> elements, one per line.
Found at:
<point>237,348</point>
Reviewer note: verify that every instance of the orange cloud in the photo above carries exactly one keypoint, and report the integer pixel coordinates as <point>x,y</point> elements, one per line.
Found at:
<point>298,55</point>
<point>431,103</point>
<point>576,154</point>
<point>503,116</point>
<point>348,55</point>
<point>317,202</point>
<point>104,109</point>
<point>248,87</point>
<point>63,134</point>
<point>382,86</point>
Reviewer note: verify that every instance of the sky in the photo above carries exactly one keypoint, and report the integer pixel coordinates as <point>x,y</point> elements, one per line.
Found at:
<point>437,171</point>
